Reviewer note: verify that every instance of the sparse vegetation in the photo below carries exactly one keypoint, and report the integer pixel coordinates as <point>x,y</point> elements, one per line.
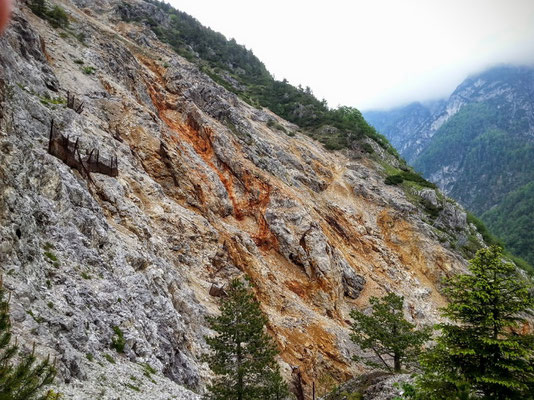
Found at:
<point>147,369</point>
<point>118,342</point>
<point>240,71</point>
<point>22,376</point>
<point>133,387</point>
<point>56,16</point>
<point>36,318</point>
<point>393,341</point>
<point>51,101</point>
<point>51,256</point>
<point>88,70</point>
<point>367,148</point>
<point>109,358</point>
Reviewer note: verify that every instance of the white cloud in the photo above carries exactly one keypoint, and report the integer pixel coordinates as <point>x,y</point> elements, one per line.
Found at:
<point>378,53</point>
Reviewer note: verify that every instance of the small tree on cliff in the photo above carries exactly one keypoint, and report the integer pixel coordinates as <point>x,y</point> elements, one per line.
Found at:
<point>482,356</point>
<point>22,380</point>
<point>242,354</point>
<point>387,333</point>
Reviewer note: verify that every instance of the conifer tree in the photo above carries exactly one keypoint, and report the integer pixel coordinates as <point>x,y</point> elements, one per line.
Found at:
<point>242,354</point>
<point>482,355</point>
<point>24,379</point>
<point>387,333</point>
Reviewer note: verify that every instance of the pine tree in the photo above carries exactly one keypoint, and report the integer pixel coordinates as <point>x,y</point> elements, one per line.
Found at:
<point>242,355</point>
<point>38,7</point>
<point>387,333</point>
<point>482,356</point>
<point>24,379</point>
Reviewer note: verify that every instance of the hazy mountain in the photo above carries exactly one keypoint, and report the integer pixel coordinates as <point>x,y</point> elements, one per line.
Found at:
<point>478,146</point>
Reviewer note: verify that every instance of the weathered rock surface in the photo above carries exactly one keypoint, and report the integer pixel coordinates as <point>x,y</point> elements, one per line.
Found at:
<point>371,386</point>
<point>206,191</point>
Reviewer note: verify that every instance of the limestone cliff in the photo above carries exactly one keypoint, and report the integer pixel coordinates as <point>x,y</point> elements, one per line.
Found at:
<point>207,190</point>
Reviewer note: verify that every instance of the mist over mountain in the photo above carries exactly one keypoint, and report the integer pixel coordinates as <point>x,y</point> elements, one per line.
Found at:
<point>478,146</point>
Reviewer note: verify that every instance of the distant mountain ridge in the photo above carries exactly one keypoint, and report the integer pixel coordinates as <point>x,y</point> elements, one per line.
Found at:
<point>478,146</point>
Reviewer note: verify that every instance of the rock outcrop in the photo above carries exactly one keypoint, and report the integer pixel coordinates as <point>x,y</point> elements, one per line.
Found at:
<point>206,191</point>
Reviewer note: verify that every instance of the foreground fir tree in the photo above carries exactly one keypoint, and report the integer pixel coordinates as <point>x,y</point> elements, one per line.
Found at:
<point>386,332</point>
<point>483,355</point>
<point>24,379</point>
<point>242,354</point>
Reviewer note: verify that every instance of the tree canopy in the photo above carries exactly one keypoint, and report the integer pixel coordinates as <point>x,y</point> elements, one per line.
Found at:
<point>387,334</point>
<point>482,353</point>
<point>242,353</point>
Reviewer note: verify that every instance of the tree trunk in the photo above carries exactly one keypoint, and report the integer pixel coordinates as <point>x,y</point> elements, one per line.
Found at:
<point>239,374</point>
<point>396,363</point>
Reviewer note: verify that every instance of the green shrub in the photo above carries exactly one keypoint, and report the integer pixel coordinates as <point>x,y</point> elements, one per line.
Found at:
<point>414,177</point>
<point>51,256</point>
<point>397,179</point>
<point>367,148</point>
<point>118,342</point>
<point>393,179</point>
<point>58,17</point>
<point>88,70</point>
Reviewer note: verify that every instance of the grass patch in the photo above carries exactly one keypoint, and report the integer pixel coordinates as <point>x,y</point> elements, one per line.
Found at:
<point>51,101</point>
<point>148,371</point>
<point>89,70</point>
<point>36,318</point>
<point>133,387</point>
<point>51,256</point>
<point>109,358</point>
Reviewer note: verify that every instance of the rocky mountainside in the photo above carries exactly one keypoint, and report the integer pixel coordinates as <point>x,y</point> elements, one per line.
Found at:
<point>408,127</point>
<point>478,147</point>
<point>155,186</point>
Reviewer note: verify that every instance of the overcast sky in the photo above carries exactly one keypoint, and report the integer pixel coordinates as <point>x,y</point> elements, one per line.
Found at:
<point>375,53</point>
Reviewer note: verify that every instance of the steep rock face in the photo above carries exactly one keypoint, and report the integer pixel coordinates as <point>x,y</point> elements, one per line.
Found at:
<point>206,191</point>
